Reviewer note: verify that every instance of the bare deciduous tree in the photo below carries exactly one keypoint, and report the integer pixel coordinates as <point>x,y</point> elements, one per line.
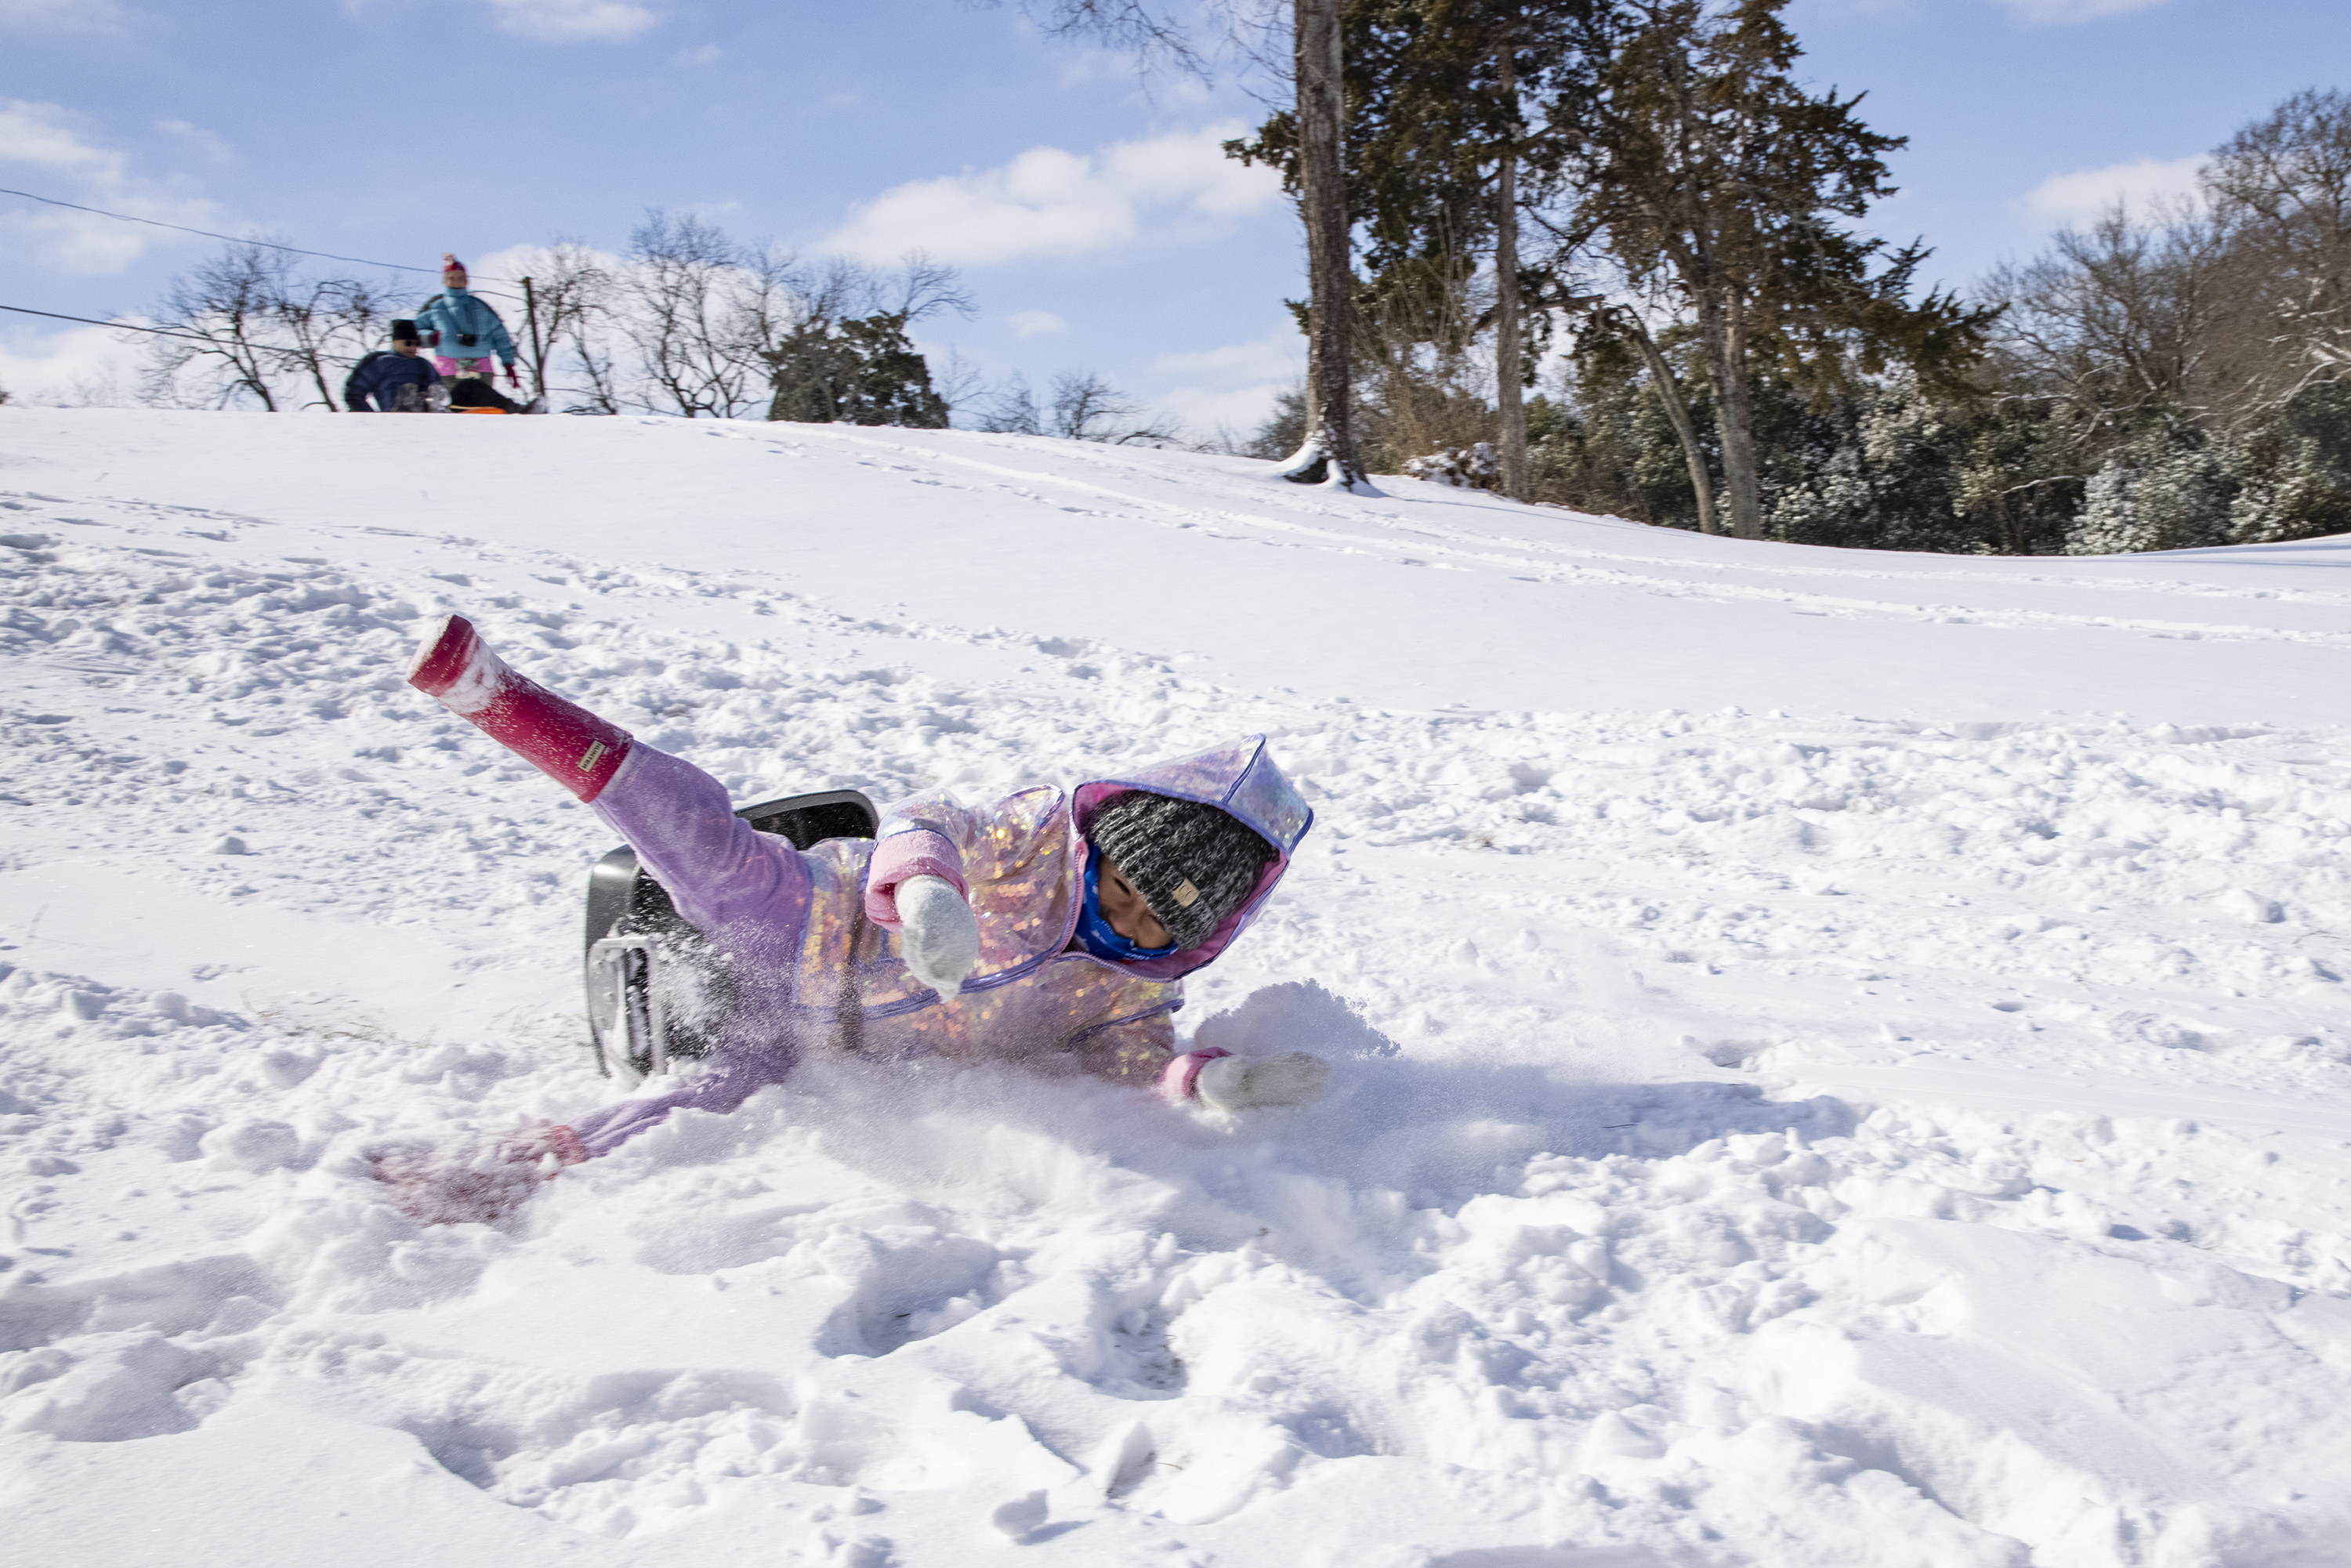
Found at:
<point>1087,408</point>
<point>2280,194</point>
<point>246,321</point>
<point>958,379</point>
<point>728,331</point>
<point>569,293</point>
<point>221,312</point>
<point>1011,410</point>
<point>1082,406</point>
<point>2118,316</point>
<point>701,310</point>
<point>324,325</point>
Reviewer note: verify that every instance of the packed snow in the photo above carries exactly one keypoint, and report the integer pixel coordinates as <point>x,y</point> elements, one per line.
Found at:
<point>1841,1058</point>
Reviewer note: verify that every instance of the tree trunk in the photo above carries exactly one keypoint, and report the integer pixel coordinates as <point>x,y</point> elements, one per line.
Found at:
<point>249,364</point>
<point>1670,393</point>
<point>1725,330</point>
<point>1327,455</point>
<point>310,355</point>
<point>1510,406</point>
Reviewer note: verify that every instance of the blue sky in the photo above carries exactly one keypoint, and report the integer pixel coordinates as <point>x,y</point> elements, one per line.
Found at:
<point>1091,214</point>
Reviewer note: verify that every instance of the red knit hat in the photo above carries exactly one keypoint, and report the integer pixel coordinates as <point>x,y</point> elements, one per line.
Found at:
<point>450,264</point>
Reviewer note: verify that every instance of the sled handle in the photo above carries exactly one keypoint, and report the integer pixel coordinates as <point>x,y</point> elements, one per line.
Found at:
<point>637,1017</point>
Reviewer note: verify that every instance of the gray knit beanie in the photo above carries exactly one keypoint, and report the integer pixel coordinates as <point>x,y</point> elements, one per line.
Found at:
<point>1193,863</point>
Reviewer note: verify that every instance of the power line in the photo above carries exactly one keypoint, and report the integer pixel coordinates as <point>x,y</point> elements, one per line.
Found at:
<point>126,327</point>
<point>207,234</point>
<point>233,239</point>
<point>119,326</point>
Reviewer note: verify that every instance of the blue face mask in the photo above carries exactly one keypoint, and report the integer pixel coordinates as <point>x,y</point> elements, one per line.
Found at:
<point>1095,933</point>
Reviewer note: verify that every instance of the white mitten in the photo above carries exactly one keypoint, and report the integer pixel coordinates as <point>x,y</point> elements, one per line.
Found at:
<point>940,937</point>
<point>1238,1083</point>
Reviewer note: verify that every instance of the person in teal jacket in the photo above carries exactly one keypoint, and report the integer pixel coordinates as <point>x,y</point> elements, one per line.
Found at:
<point>462,330</point>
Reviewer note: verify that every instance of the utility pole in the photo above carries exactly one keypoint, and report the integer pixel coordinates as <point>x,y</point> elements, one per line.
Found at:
<point>538,351</point>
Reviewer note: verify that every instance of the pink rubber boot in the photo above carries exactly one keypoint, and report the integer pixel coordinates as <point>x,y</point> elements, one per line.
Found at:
<point>561,739</point>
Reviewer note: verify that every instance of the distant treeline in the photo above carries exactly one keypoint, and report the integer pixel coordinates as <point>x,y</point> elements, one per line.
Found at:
<point>689,322</point>
<point>2162,379</point>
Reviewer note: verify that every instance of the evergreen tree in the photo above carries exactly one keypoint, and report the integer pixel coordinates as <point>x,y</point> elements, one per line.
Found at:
<point>1714,173</point>
<point>862,370</point>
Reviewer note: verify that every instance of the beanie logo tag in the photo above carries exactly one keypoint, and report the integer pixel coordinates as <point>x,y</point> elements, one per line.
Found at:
<point>1186,895</point>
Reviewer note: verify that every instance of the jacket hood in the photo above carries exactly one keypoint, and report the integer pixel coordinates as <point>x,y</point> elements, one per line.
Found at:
<point>1240,779</point>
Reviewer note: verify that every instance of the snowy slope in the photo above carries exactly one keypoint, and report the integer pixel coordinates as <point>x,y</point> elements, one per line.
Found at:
<point>1842,1055</point>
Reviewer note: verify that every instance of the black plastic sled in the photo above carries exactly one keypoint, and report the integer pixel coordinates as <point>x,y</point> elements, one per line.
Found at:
<point>643,958</point>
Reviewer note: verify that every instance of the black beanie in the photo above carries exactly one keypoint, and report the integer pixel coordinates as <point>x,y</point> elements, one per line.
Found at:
<point>1193,863</point>
<point>404,331</point>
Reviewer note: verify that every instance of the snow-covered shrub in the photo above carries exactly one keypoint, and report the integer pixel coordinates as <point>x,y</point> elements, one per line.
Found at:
<point>2155,495</point>
<point>2292,474</point>
<point>1473,467</point>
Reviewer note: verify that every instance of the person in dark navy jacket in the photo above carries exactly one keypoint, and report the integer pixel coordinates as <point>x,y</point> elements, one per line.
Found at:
<point>400,380</point>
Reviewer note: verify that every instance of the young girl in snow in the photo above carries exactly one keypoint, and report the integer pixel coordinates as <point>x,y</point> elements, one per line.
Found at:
<point>1050,929</point>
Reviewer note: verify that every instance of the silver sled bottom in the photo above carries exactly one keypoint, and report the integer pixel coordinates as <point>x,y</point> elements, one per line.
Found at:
<point>635,934</point>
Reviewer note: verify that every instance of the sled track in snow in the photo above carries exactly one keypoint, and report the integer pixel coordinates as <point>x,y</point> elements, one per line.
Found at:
<point>1470,548</point>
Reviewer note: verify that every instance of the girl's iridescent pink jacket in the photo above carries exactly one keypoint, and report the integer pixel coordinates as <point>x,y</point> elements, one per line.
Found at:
<point>810,937</point>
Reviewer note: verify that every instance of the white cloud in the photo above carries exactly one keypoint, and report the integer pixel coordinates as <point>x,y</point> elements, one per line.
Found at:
<point>1280,355</point>
<point>2085,195</point>
<point>45,136</point>
<point>212,144</point>
<point>1233,388</point>
<point>571,21</point>
<point>699,55</point>
<point>1051,202</point>
<point>2058,13</point>
<point>61,16</point>
<point>1034,323</point>
<point>79,365</point>
<point>45,143</point>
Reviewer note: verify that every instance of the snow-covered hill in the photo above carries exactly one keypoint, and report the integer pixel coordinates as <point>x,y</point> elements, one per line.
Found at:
<point>1842,1056</point>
